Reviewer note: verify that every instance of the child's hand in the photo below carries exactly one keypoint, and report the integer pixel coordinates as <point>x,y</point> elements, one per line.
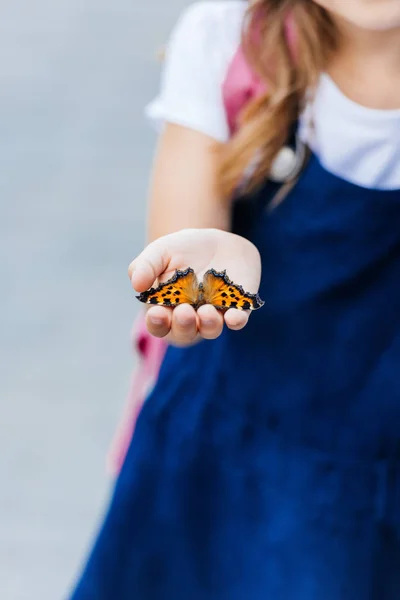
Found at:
<point>201,249</point>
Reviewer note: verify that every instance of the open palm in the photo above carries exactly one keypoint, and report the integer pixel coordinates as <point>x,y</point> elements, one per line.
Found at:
<point>201,249</point>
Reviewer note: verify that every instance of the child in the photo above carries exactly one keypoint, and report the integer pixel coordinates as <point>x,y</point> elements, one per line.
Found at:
<point>266,464</point>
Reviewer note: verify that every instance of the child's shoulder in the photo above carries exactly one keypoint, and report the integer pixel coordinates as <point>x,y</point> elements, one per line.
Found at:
<point>214,23</point>
<point>214,13</point>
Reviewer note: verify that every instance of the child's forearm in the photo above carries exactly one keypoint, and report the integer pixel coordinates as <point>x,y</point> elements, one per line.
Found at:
<point>183,190</point>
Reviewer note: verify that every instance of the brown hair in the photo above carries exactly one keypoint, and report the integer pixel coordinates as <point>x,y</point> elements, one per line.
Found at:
<point>264,124</point>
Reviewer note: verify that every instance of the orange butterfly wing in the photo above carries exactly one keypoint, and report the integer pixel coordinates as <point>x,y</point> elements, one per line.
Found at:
<point>181,288</point>
<point>221,292</point>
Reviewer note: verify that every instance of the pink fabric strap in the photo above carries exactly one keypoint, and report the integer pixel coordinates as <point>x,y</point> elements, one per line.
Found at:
<point>150,352</point>
<point>239,87</point>
<point>241,84</point>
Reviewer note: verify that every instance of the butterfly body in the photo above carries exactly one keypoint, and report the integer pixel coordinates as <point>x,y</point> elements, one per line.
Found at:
<point>215,289</point>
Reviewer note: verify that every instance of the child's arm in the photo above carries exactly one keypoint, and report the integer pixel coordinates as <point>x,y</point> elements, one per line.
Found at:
<point>184,203</point>
<point>184,196</point>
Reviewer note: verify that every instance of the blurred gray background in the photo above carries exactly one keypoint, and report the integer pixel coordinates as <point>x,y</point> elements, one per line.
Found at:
<point>75,153</point>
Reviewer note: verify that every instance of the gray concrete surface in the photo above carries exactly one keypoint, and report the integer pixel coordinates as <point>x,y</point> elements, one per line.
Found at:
<point>74,158</point>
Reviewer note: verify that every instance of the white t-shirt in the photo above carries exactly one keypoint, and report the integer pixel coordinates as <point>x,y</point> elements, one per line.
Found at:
<point>358,144</point>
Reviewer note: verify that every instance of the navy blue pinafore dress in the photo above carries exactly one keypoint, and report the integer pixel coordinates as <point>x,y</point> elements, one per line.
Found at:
<point>266,464</point>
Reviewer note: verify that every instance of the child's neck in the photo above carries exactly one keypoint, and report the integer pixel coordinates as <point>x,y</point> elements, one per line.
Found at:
<point>367,66</point>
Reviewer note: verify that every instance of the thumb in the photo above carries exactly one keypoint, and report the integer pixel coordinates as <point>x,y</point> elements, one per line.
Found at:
<point>149,265</point>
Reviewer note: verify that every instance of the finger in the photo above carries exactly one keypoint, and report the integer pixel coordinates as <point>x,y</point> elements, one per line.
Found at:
<point>158,321</point>
<point>149,265</point>
<point>211,322</point>
<point>130,269</point>
<point>236,319</point>
<point>184,324</point>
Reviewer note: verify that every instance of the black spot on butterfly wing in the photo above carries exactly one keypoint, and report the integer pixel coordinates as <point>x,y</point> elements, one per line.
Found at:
<point>182,285</point>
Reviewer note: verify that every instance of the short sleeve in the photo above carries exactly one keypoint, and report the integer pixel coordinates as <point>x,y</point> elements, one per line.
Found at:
<point>197,57</point>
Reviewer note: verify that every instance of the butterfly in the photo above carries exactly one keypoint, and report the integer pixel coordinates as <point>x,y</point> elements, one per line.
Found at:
<point>216,289</point>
